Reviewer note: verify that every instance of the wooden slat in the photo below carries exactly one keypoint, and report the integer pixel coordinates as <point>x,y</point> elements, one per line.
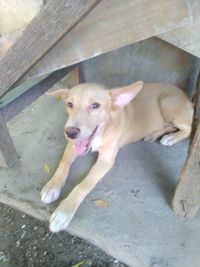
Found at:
<point>194,6</point>
<point>74,77</point>
<point>186,200</point>
<point>54,20</point>
<point>196,102</point>
<point>113,24</point>
<point>187,37</point>
<point>24,100</point>
<point>8,154</point>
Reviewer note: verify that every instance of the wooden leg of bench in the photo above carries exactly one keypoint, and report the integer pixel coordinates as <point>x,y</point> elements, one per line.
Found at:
<point>76,75</point>
<point>82,78</point>
<point>186,200</point>
<point>8,154</point>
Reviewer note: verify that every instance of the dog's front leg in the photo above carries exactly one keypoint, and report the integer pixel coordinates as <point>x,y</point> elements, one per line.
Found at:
<point>62,216</point>
<point>52,189</point>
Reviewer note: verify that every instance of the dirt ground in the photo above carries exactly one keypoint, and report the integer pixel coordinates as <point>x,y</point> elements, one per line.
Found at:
<point>27,242</point>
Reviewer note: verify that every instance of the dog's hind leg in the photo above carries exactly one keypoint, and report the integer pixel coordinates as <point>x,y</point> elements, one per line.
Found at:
<point>155,135</point>
<point>183,132</point>
<point>178,111</point>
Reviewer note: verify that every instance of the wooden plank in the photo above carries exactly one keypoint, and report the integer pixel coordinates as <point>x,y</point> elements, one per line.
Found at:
<point>196,102</point>
<point>54,20</point>
<point>187,37</point>
<point>24,100</point>
<point>74,77</point>
<point>82,78</point>
<point>8,154</point>
<point>113,24</point>
<point>194,6</point>
<point>186,200</point>
<point>19,90</point>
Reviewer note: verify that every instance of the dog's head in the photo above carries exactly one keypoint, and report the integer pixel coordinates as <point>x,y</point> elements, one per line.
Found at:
<point>90,107</point>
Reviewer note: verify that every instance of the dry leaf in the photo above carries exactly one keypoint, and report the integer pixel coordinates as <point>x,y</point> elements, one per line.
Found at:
<point>78,264</point>
<point>101,203</point>
<point>58,97</point>
<point>47,168</point>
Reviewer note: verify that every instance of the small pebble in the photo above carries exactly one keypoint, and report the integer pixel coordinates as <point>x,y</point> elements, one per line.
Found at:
<point>45,253</point>
<point>2,257</point>
<point>17,243</point>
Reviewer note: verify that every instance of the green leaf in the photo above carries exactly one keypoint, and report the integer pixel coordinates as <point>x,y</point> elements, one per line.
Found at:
<point>101,203</point>
<point>78,264</point>
<point>47,168</point>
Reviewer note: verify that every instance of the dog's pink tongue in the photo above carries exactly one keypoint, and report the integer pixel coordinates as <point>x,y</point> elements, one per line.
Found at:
<point>80,146</point>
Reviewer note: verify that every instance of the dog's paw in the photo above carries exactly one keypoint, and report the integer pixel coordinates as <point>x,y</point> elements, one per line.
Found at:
<point>61,218</point>
<point>50,192</point>
<point>168,139</point>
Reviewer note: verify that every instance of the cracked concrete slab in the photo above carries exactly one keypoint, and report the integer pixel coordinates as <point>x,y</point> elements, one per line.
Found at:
<point>138,227</point>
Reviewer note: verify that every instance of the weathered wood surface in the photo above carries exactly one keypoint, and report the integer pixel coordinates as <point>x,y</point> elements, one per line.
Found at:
<point>186,200</point>
<point>75,76</point>
<point>196,102</point>
<point>187,37</point>
<point>54,20</point>
<point>24,100</point>
<point>113,24</point>
<point>8,154</point>
<point>194,6</point>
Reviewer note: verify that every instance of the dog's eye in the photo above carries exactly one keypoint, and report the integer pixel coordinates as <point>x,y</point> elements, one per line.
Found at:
<point>94,106</point>
<point>69,104</point>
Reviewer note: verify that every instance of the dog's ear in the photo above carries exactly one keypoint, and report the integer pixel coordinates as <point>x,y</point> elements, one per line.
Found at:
<point>61,93</point>
<point>123,95</point>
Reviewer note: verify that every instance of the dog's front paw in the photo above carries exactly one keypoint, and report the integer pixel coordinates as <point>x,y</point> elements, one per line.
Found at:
<point>61,217</point>
<point>50,192</point>
<point>168,139</point>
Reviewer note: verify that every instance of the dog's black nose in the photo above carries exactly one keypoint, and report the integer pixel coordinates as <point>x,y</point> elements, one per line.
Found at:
<point>72,132</point>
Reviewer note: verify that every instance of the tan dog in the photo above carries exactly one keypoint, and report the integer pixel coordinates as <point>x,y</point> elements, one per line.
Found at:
<point>104,121</point>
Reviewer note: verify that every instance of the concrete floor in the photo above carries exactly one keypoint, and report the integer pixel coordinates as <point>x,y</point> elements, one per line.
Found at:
<point>138,227</point>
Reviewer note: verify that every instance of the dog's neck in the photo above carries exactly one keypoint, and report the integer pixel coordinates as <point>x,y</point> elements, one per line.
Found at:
<point>105,134</point>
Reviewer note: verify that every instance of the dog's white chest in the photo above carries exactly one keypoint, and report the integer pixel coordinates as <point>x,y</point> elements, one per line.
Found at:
<point>96,143</point>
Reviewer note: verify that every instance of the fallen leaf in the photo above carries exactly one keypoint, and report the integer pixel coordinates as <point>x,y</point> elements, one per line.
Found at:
<point>58,97</point>
<point>101,203</point>
<point>78,264</point>
<point>47,168</point>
